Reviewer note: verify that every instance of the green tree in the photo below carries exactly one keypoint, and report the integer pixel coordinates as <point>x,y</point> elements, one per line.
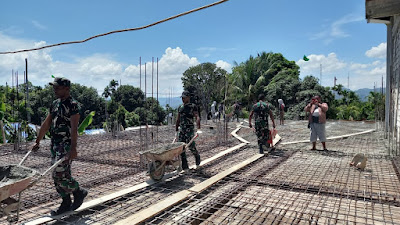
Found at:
<point>130,97</point>
<point>208,80</point>
<point>156,113</point>
<point>89,101</point>
<point>132,119</point>
<point>253,77</point>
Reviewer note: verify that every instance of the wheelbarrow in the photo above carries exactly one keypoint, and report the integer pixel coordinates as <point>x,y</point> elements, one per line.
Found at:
<point>166,155</point>
<point>14,179</point>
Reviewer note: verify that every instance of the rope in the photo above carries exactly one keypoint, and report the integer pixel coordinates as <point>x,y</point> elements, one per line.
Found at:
<point>119,31</point>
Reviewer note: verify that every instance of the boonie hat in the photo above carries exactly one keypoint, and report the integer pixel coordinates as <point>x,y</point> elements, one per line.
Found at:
<point>61,81</point>
<point>185,94</point>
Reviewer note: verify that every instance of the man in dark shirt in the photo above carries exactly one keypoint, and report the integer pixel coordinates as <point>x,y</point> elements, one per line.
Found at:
<point>187,113</point>
<point>63,122</point>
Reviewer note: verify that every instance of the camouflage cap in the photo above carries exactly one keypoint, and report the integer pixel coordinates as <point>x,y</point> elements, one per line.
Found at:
<point>61,81</point>
<point>185,94</point>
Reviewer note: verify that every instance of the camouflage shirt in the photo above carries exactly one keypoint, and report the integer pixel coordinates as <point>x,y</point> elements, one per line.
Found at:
<point>61,112</point>
<point>186,113</point>
<point>261,112</point>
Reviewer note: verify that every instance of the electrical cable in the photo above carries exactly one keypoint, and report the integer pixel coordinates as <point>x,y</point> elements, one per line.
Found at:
<point>118,31</point>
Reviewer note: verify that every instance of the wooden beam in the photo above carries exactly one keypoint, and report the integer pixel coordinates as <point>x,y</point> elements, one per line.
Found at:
<point>237,136</point>
<point>207,183</point>
<point>155,209</point>
<point>229,150</point>
<point>376,9</point>
<point>95,202</point>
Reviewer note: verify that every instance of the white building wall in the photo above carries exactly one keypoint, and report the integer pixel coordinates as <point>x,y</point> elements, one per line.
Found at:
<point>394,72</point>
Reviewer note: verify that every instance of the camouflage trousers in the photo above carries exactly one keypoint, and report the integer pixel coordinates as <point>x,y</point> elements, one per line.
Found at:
<point>236,116</point>
<point>262,132</point>
<point>185,135</point>
<point>63,181</point>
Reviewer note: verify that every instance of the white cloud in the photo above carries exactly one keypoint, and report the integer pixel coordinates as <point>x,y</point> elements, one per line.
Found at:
<point>208,51</point>
<point>377,52</point>
<point>96,70</point>
<point>224,65</point>
<point>362,75</point>
<point>335,29</point>
<point>38,61</point>
<point>38,25</point>
<point>330,64</point>
<point>171,66</point>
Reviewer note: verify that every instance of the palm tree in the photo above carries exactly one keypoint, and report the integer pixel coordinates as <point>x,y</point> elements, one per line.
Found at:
<point>109,91</point>
<point>252,76</point>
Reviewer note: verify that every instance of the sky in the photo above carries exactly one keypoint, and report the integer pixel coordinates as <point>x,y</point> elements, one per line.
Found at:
<point>334,35</point>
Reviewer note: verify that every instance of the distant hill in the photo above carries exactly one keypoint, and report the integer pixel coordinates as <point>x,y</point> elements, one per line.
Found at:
<point>364,92</point>
<point>174,102</point>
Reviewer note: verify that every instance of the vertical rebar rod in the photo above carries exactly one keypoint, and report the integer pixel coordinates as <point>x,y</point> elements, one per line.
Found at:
<point>152,75</point>
<point>152,99</point>
<point>18,140</point>
<point>27,91</point>
<point>145,102</point>
<point>157,98</point>
<point>140,122</point>
<point>157,78</point>
<point>12,91</point>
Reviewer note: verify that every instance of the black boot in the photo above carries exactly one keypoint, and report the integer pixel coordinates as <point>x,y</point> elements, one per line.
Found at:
<point>79,195</point>
<point>64,207</point>
<point>198,161</point>
<point>261,151</point>
<point>184,161</point>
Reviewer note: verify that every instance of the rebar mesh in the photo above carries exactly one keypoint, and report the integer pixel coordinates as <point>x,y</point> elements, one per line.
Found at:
<point>290,185</point>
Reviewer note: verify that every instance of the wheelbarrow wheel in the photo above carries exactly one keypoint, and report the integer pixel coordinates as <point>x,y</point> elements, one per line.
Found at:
<point>156,170</point>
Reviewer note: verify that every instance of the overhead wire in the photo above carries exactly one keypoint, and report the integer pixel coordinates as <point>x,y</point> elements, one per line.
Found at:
<point>117,31</point>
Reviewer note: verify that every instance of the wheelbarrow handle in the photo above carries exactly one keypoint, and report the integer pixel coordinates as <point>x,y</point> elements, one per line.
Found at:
<point>45,172</point>
<point>176,137</point>
<point>191,140</point>
<point>54,166</point>
<point>25,157</point>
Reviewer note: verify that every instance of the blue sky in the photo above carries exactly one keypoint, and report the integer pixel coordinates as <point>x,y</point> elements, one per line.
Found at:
<point>332,33</point>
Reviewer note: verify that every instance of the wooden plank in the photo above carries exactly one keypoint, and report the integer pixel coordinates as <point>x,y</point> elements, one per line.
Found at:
<point>331,138</point>
<point>229,150</point>
<point>155,209</point>
<point>207,183</point>
<point>97,201</point>
<point>276,139</point>
<point>375,9</point>
<point>182,195</point>
<point>237,136</point>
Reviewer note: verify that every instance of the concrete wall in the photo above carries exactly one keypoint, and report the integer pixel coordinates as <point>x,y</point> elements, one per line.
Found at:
<point>393,70</point>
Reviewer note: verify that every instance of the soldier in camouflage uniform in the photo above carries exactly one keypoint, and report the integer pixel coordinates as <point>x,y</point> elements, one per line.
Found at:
<point>63,122</point>
<point>236,111</point>
<point>261,110</point>
<point>187,113</point>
